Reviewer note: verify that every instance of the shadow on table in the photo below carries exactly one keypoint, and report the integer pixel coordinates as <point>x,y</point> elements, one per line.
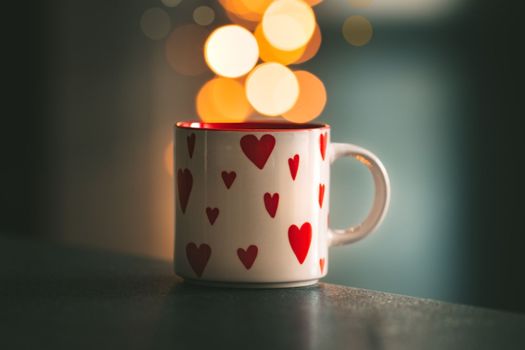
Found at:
<point>301,318</point>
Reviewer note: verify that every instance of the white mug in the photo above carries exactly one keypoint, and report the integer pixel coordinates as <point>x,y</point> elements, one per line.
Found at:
<point>252,202</point>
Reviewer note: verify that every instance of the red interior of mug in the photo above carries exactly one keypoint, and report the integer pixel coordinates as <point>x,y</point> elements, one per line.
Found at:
<point>254,126</point>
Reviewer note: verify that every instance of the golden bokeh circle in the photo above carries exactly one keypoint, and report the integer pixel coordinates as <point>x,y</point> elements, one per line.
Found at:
<point>239,9</point>
<point>257,6</point>
<point>311,101</point>
<point>272,89</point>
<point>357,30</point>
<point>268,53</point>
<point>231,51</point>
<point>312,47</point>
<point>288,24</point>
<point>223,100</point>
<point>250,25</point>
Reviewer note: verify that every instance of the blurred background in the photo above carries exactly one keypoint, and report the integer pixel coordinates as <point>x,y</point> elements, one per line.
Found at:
<point>433,90</point>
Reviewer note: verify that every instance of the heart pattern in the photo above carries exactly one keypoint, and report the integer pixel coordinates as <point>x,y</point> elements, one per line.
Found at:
<point>228,178</point>
<point>248,256</point>
<point>293,164</point>
<point>258,151</point>
<point>300,239</point>
<point>321,264</point>
<point>322,143</point>
<point>184,185</point>
<point>198,257</point>
<point>271,202</point>
<point>212,213</point>
<point>190,140</point>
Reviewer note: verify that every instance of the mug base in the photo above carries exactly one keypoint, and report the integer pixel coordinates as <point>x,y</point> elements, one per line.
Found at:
<point>251,285</point>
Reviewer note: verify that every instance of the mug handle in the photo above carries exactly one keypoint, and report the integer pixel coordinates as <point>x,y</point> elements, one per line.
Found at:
<point>381,196</point>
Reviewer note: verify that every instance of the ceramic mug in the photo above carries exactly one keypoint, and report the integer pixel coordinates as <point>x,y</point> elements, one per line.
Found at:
<point>252,202</point>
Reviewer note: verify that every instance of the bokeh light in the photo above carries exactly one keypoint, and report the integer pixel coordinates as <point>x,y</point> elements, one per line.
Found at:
<point>312,47</point>
<point>184,49</point>
<point>250,25</point>
<point>272,89</point>
<point>231,51</point>
<point>357,30</point>
<point>257,6</point>
<point>203,15</point>
<point>223,100</point>
<point>284,32</point>
<point>239,8</point>
<point>155,23</point>
<point>311,100</point>
<point>168,158</point>
<point>288,24</point>
<point>268,53</point>
<point>360,3</point>
<point>171,3</point>
<point>313,2</point>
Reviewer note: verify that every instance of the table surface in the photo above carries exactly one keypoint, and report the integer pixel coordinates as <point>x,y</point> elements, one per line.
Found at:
<point>57,296</point>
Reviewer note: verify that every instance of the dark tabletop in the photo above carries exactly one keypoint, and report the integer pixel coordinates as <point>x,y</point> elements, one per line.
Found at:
<point>54,296</point>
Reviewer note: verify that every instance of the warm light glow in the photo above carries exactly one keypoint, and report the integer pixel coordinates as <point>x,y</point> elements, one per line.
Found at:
<point>231,51</point>
<point>239,8</point>
<point>204,103</point>
<point>168,158</point>
<point>268,53</point>
<point>313,2</point>
<point>246,13</point>
<point>203,15</point>
<point>363,160</point>
<point>357,30</point>
<point>284,32</point>
<point>288,24</point>
<point>250,25</point>
<point>155,23</point>
<point>311,101</point>
<point>184,49</point>
<point>223,100</point>
<point>272,89</point>
<point>257,6</point>
<point>312,47</point>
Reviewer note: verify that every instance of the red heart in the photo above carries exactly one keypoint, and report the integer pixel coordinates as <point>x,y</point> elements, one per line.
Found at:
<point>322,143</point>
<point>293,163</point>
<point>321,195</point>
<point>247,256</point>
<point>258,151</point>
<point>228,178</point>
<point>271,202</point>
<point>190,140</point>
<point>184,184</point>
<point>212,214</point>
<point>321,264</point>
<point>198,257</point>
<point>300,240</point>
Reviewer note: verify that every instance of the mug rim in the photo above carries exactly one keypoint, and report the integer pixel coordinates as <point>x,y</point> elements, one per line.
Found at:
<point>266,126</point>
